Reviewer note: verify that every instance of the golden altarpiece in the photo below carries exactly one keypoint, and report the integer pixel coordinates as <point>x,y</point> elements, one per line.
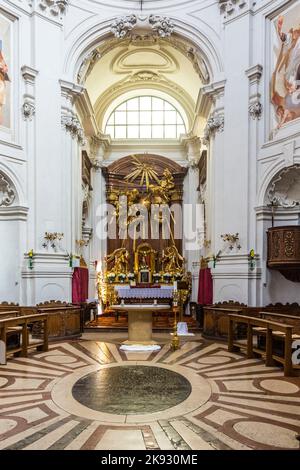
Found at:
<point>137,184</point>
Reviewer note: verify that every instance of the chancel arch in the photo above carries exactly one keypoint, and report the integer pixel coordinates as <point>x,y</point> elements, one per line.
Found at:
<point>145,63</point>
<point>148,182</point>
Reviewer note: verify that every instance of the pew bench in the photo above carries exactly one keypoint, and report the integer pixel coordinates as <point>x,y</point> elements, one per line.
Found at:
<point>271,330</point>
<point>215,321</point>
<point>19,325</point>
<point>13,333</point>
<point>64,321</point>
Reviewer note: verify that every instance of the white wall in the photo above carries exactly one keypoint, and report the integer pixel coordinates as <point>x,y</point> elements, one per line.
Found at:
<point>9,256</point>
<point>43,158</point>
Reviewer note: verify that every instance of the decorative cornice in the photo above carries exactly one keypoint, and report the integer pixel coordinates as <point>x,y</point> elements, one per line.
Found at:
<point>193,146</point>
<point>53,7</point>
<point>7,192</point>
<point>254,73</point>
<point>87,65</point>
<point>14,213</point>
<point>70,89</point>
<point>72,124</point>
<point>230,8</point>
<point>98,146</point>
<point>255,110</point>
<point>142,26</point>
<point>29,74</point>
<point>215,88</point>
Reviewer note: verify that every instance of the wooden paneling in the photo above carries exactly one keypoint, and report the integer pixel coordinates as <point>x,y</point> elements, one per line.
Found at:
<point>284,251</point>
<point>64,320</point>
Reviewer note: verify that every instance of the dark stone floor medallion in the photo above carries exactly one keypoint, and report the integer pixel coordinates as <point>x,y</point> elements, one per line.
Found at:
<point>131,390</point>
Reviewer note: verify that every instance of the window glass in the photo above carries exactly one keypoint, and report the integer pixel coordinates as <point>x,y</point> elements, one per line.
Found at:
<point>145,117</point>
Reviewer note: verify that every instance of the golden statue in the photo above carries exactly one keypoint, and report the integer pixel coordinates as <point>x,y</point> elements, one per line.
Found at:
<point>172,261</point>
<point>145,258</point>
<point>161,193</point>
<point>119,258</point>
<point>168,181</point>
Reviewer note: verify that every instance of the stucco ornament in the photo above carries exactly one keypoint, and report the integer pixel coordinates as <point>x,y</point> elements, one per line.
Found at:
<point>285,188</point>
<point>7,192</point>
<point>142,27</point>
<point>123,25</point>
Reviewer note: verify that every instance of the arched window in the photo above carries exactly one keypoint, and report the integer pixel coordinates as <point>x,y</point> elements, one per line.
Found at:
<point>145,117</point>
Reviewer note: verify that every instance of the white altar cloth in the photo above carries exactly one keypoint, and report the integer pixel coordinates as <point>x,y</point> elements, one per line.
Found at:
<point>140,347</point>
<point>145,293</point>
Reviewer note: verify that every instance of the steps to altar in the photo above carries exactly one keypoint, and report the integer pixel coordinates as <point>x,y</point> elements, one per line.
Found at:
<point>161,322</point>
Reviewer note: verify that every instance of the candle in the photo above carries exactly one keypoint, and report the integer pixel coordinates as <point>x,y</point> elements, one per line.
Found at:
<point>175,285</point>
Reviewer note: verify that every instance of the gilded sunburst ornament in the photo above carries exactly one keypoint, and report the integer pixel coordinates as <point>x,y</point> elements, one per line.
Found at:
<point>144,171</point>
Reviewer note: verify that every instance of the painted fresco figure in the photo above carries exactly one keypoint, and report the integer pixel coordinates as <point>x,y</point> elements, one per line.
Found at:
<point>285,86</point>
<point>3,79</point>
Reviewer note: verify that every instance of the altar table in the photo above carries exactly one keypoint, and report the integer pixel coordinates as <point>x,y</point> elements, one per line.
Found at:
<point>145,293</point>
<point>140,325</point>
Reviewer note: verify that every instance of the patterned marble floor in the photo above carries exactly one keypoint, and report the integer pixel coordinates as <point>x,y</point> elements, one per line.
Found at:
<point>236,403</point>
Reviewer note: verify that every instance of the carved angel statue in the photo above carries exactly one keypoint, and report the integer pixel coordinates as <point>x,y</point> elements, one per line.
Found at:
<point>172,261</point>
<point>160,194</point>
<point>119,259</point>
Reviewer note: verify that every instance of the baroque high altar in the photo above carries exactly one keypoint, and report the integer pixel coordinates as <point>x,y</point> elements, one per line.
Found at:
<point>144,195</point>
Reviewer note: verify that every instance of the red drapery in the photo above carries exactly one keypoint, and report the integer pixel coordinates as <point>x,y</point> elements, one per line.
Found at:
<point>205,292</point>
<point>80,285</point>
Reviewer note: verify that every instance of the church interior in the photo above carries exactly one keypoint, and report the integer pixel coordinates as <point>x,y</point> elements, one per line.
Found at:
<point>149,225</point>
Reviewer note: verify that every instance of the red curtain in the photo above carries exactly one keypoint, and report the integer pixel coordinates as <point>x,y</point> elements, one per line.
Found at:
<point>205,292</point>
<point>80,285</point>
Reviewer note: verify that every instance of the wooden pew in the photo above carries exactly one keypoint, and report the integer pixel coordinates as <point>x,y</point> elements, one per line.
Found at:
<point>215,321</point>
<point>64,320</point>
<point>13,333</point>
<point>293,320</point>
<point>8,314</point>
<point>272,330</point>
<point>7,324</point>
<point>11,307</point>
<point>216,316</point>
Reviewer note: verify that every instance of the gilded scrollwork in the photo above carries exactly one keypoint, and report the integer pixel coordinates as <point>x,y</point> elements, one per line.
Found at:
<point>289,244</point>
<point>276,245</point>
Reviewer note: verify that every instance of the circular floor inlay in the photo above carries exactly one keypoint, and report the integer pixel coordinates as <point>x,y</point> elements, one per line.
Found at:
<point>3,381</point>
<point>61,359</point>
<point>131,390</point>
<point>210,360</point>
<point>267,433</point>
<point>279,386</point>
<point>7,425</point>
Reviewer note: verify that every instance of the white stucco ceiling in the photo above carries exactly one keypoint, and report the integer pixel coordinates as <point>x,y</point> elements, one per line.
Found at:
<point>165,63</point>
<point>147,4</point>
